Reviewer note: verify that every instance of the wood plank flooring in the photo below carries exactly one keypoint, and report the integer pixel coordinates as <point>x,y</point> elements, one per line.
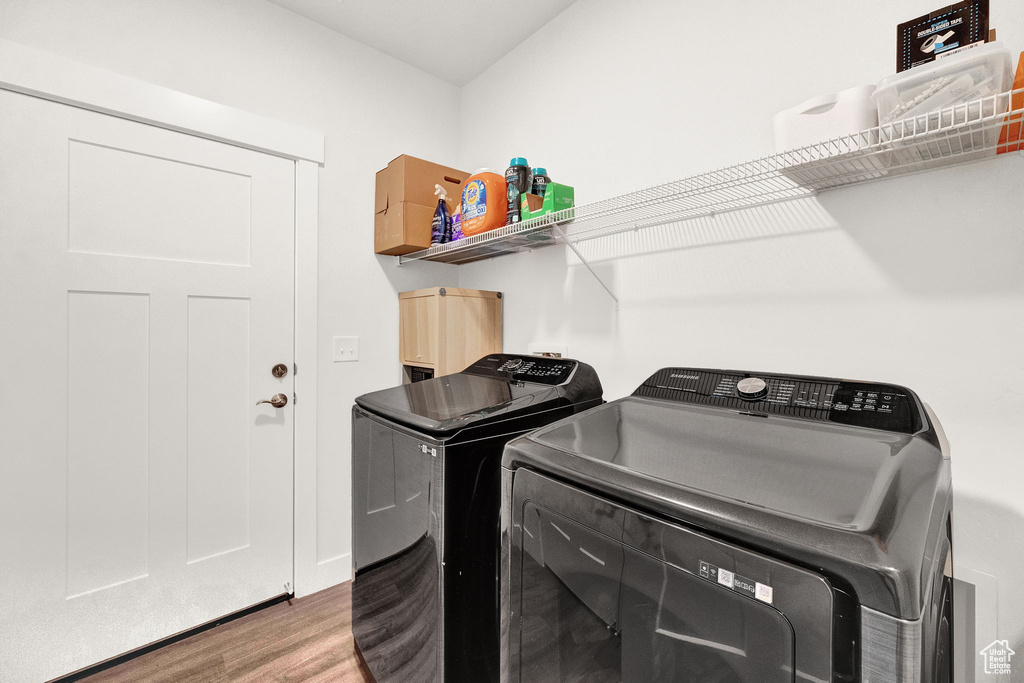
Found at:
<point>309,640</point>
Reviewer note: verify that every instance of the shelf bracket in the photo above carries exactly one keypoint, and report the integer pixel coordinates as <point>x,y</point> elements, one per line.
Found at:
<point>565,238</point>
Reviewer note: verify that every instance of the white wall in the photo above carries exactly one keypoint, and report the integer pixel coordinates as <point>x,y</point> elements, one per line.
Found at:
<point>915,280</point>
<point>256,56</point>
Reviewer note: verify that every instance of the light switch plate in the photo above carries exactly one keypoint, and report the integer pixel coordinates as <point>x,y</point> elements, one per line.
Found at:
<point>346,349</point>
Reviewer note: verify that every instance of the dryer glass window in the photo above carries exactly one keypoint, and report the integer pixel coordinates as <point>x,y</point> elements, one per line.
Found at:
<point>596,610</point>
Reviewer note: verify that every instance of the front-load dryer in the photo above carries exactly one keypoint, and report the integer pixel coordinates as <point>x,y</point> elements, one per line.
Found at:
<point>425,496</point>
<point>730,526</point>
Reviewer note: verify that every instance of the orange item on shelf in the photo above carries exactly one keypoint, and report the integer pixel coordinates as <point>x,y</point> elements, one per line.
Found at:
<point>484,202</point>
<point>1009,138</point>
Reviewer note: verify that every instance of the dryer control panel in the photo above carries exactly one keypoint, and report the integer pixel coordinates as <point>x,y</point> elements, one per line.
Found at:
<point>862,404</point>
<point>536,369</point>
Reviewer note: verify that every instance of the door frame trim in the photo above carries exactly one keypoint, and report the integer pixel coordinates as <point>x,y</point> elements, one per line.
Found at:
<point>40,74</point>
<point>48,76</point>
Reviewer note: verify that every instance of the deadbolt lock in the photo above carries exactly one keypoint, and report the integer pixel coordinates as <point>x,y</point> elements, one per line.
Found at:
<point>279,370</point>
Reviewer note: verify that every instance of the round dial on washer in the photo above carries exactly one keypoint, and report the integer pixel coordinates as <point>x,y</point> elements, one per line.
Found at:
<point>513,364</point>
<point>752,388</point>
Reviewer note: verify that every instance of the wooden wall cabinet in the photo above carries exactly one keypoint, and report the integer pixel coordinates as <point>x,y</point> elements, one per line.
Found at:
<point>445,329</point>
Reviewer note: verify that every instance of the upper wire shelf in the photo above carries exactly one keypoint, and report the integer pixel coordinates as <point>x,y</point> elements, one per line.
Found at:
<point>957,134</point>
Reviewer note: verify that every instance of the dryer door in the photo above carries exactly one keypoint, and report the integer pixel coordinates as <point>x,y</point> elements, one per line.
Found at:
<point>678,627</point>
<point>601,593</point>
<point>596,610</point>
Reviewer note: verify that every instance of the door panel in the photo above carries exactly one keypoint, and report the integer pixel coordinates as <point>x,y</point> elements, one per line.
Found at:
<point>418,318</point>
<point>218,417</point>
<point>106,214</point>
<point>146,291</point>
<point>108,440</point>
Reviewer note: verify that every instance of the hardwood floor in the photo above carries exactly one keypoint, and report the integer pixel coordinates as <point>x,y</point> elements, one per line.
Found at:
<point>309,640</point>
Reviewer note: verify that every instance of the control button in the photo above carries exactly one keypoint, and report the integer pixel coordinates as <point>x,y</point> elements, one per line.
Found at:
<point>887,397</point>
<point>751,388</point>
<point>872,394</point>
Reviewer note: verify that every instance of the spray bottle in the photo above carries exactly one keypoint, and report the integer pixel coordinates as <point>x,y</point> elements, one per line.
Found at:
<point>441,228</point>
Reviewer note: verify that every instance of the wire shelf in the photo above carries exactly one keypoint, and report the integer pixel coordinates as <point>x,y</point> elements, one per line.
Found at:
<point>955,135</point>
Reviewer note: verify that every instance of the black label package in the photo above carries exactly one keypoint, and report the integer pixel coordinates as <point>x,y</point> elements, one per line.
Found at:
<point>942,33</point>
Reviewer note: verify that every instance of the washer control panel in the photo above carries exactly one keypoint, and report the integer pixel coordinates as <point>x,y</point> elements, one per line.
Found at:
<point>536,369</point>
<point>862,404</point>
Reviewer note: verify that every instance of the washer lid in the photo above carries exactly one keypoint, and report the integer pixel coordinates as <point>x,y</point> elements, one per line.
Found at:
<point>448,403</point>
<point>496,387</point>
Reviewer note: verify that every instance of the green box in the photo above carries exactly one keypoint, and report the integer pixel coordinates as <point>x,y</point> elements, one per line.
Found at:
<point>556,198</point>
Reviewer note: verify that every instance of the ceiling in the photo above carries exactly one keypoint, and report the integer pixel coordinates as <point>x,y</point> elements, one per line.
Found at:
<point>455,40</point>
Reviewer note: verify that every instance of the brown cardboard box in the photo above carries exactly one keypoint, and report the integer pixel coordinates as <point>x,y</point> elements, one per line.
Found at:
<point>403,228</point>
<point>533,202</point>
<point>404,203</point>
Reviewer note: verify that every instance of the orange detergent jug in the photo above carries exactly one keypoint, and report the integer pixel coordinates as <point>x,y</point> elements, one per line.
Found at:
<point>483,202</point>
<point>1011,132</point>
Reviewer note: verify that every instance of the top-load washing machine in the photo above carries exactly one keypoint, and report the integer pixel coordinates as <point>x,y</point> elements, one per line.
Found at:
<point>426,488</point>
<point>730,526</point>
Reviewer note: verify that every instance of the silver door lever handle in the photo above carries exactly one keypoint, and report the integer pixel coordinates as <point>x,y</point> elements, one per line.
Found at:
<point>277,400</point>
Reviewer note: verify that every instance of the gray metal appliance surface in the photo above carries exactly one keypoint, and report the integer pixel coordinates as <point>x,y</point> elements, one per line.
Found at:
<point>426,489</point>
<point>730,526</point>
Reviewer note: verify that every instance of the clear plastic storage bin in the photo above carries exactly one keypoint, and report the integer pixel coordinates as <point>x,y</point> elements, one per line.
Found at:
<point>953,91</point>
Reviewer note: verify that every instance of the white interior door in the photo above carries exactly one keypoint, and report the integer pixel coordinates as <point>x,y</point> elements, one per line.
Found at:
<point>146,292</point>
